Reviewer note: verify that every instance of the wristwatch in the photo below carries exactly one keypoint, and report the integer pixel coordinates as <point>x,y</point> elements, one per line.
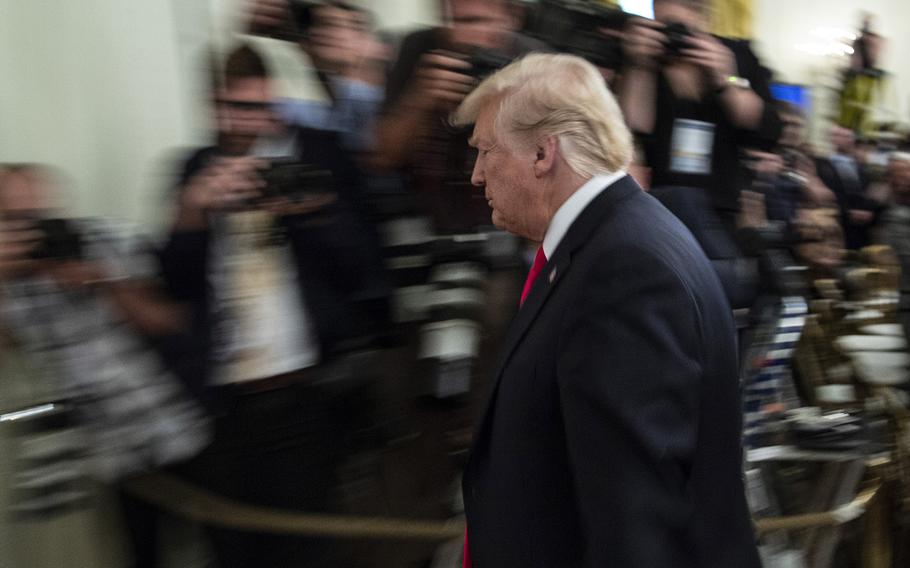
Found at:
<point>734,81</point>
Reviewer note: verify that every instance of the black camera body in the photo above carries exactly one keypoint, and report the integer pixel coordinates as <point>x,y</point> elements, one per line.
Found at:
<point>678,35</point>
<point>585,29</point>
<point>61,240</point>
<point>485,62</point>
<point>791,158</point>
<point>291,179</point>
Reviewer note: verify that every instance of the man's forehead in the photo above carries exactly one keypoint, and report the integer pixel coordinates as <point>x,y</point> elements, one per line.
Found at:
<point>483,125</point>
<point>476,8</point>
<point>332,15</point>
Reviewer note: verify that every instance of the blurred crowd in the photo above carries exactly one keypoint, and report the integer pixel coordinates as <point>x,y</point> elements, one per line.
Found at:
<point>317,329</point>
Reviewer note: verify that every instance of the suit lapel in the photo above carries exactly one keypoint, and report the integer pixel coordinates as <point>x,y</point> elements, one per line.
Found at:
<point>546,281</point>
<point>549,277</point>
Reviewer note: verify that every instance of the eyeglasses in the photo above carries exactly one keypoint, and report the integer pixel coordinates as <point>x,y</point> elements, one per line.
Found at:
<point>245,106</point>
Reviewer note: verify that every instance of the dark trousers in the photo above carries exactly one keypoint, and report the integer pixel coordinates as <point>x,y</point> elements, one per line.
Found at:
<point>142,521</point>
<point>279,449</point>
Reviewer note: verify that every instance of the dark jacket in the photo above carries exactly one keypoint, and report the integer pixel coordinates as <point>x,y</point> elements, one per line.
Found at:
<point>342,281</point>
<point>612,437</point>
<point>850,194</point>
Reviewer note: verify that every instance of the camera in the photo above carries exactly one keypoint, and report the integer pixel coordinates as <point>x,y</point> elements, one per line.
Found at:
<point>61,240</point>
<point>581,28</point>
<point>450,339</point>
<point>678,35</point>
<point>290,179</point>
<point>485,62</point>
<point>791,158</point>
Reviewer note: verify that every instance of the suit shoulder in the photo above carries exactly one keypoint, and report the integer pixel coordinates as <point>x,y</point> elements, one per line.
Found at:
<point>642,222</point>
<point>641,235</point>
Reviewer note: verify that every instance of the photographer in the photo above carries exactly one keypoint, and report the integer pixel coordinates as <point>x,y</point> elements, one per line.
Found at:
<point>843,172</point>
<point>788,176</point>
<point>894,229</point>
<point>79,299</point>
<point>349,59</point>
<point>289,294</point>
<point>436,68</point>
<point>694,99</point>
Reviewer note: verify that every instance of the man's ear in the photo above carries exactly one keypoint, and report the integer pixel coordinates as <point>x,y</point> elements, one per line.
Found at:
<point>545,155</point>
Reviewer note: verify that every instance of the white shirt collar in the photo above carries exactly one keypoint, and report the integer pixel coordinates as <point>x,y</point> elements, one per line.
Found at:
<point>572,208</point>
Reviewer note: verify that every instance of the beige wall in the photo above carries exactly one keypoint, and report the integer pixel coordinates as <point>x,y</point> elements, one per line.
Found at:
<point>784,36</point>
<point>94,88</point>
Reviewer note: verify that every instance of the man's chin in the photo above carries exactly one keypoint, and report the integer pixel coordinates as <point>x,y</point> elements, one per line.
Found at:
<point>503,225</point>
<point>497,220</point>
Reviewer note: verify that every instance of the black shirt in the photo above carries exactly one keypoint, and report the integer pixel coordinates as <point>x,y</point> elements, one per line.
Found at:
<point>722,182</point>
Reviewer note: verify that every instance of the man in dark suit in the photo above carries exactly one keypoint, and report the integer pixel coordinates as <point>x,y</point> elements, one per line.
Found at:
<point>612,435</point>
<point>845,177</point>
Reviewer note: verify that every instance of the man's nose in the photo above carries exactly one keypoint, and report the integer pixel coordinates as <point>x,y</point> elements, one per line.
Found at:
<point>477,175</point>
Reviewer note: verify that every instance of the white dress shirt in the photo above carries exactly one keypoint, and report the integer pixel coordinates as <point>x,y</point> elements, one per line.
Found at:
<point>265,326</point>
<point>572,208</point>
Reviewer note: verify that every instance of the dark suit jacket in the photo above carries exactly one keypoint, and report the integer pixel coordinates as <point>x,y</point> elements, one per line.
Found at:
<point>849,196</point>
<point>342,280</point>
<point>612,436</point>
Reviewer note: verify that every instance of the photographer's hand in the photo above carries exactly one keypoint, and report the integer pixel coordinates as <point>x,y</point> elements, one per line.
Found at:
<point>743,106</point>
<point>767,165</point>
<point>139,301</point>
<point>644,43</point>
<point>442,82</point>
<point>439,83</point>
<point>226,184</point>
<point>714,57</point>
<point>815,189</point>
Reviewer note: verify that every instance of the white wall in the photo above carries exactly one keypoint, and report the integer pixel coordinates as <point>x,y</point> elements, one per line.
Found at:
<point>105,90</point>
<point>783,32</point>
<point>94,88</point>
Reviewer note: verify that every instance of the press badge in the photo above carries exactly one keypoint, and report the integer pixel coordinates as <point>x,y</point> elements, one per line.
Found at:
<point>692,146</point>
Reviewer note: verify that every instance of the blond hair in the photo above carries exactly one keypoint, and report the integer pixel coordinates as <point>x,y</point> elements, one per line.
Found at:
<point>556,95</point>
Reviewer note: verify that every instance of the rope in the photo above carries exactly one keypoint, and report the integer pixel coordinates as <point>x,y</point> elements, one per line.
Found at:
<point>202,506</point>
<point>199,505</point>
<point>832,518</point>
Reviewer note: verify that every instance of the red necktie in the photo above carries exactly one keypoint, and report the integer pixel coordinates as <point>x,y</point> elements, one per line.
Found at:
<point>540,260</point>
